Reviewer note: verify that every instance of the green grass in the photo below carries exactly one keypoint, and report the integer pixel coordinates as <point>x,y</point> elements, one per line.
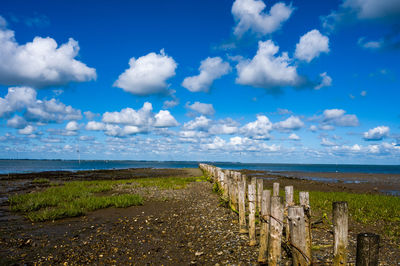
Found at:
<point>40,181</point>
<point>78,197</point>
<point>368,209</point>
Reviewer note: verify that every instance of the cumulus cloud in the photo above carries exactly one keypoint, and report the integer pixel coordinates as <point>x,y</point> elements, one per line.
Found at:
<point>40,63</point>
<point>224,127</point>
<point>311,45</point>
<point>200,123</point>
<point>249,16</point>
<point>165,119</point>
<point>95,126</point>
<point>170,103</point>
<point>294,137</point>
<point>240,144</point>
<point>17,122</point>
<point>148,74</point>
<point>266,70</point>
<point>327,142</point>
<point>291,123</point>
<point>26,130</point>
<point>259,129</point>
<point>211,68</point>
<point>72,126</point>
<point>326,81</point>
<point>43,111</point>
<point>377,133</point>
<point>202,108</point>
<point>141,117</point>
<point>338,117</point>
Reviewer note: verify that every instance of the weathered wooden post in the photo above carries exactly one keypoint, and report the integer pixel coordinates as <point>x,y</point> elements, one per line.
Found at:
<point>340,232</point>
<point>275,231</point>
<point>264,229</point>
<point>367,249</point>
<point>275,190</point>
<point>260,189</point>
<point>252,212</point>
<point>305,203</point>
<point>297,228</point>
<point>236,178</point>
<point>288,202</point>
<point>242,205</point>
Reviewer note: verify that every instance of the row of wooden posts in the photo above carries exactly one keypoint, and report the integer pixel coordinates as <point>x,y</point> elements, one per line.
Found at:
<point>294,220</point>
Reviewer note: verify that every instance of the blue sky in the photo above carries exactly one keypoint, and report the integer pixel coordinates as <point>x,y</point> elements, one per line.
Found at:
<point>245,80</point>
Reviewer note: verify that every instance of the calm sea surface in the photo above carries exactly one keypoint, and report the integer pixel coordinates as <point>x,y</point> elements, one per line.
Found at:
<point>25,166</point>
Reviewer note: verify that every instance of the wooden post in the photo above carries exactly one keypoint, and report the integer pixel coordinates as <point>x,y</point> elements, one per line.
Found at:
<point>288,202</point>
<point>340,232</point>
<point>298,235</point>
<point>264,229</point>
<point>275,231</point>
<point>236,178</point>
<point>260,189</point>
<point>367,249</point>
<point>252,212</point>
<point>242,205</point>
<point>275,190</point>
<point>305,203</point>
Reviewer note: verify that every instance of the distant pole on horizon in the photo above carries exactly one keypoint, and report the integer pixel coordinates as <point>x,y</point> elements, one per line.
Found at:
<point>79,154</point>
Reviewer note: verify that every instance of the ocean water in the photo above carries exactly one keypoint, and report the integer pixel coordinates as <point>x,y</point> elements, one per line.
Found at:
<point>26,166</point>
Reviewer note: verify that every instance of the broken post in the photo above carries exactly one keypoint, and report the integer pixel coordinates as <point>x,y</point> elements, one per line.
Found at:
<point>288,202</point>
<point>242,205</point>
<point>275,190</point>
<point>305,203</point>
<point>264,229</point>
<point>252,212</point>
<point>297,227</point>
<point>275,231</point>
<point>367,249</point>
<point>340,232</point>
<point>260,189</point>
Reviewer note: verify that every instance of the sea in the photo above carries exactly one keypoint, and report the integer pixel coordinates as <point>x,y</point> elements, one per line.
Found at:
<point>29,166</point>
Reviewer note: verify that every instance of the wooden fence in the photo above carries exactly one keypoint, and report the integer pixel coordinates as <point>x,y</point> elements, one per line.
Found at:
<point>277,217</point>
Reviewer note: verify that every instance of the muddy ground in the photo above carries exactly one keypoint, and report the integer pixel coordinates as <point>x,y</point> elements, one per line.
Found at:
<point>173,227</point>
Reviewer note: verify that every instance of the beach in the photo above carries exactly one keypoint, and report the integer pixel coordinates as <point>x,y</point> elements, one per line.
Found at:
<point>173,226</point>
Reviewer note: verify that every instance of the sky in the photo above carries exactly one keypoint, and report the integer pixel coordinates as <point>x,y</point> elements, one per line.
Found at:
<point>246,80</point>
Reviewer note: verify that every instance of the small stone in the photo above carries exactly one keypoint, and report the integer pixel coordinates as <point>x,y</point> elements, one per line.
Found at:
<point>198,253</point>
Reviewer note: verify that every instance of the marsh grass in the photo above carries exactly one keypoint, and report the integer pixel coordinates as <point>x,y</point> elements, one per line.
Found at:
<point>380,211</point>
<point>40,181</point>
<point>79,197</point>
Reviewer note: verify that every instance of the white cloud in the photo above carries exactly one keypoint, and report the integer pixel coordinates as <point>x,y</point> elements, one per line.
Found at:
<point>90,115</point>
<point>363,93</point>
<point>210,70</point>
<point>311,45</point>
<point>337,117</point>
<point>171,103</point>
<point>130,116</point>
<point>202,108</point>
<point>40,63</point>
<point>27,130</point>
<point>377,133</point>
<point>240,144</point>
<point>372,9</point>
<point>17,122</point>
<point>148,74</point>
<point>249,16</point>
<point>266,70</point>
<point>42,111</point>
<point>165,119</point>
<point>313,128</point>
<point>291,123</point>
<point>258,129</point>
<point>224,127</point>
<point>294,137</point>
<point>327,142</point>
<point>351,10</point>
<point>373,45</point>
<point>201,123</point>
<point>95,126</point>
<point>325,82</point>
<point>72,126</point>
